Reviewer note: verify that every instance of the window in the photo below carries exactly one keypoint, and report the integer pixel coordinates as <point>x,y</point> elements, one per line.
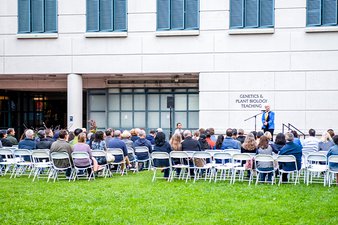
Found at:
<point>37,16</point>
<point>177,14</point>
<point>321,13</point>
<point>106,15</point>
<point>251,14</point>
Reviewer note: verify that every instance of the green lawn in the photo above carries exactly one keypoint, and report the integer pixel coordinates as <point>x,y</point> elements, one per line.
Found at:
<point>134,199</point>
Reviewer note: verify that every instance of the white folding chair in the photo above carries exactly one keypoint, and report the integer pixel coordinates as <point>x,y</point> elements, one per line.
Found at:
<point>263,162</point>
<point>8,160</point>
<point>84,157</point>
<point>143,155</point>
<point>291,160</point>
<point>180,167</point>
<point>132,159</point>
<point>99,155</point>
<point>223,164</point>
<point>41,163</point>
<point>119,161</point>
<point>160,161</point>
<point>55,157</point>
<point>239,166</point>
<point>331,170</point>
<point>24,162</point>
<point>202,165</point>
<point>317,165</point>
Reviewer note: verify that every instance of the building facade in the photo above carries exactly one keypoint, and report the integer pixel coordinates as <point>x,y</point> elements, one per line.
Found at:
<point>64,62</point>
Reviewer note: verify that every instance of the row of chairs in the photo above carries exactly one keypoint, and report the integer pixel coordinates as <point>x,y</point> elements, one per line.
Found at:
<point>222,165</point>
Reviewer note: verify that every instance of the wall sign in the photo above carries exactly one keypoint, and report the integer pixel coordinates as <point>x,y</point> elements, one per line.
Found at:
<point>251,101</point>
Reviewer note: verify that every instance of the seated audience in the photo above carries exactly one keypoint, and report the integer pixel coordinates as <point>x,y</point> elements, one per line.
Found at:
<point>291,148</point>
<point>210,142</point>
<point>190,144</point>
<point>249,145</point>
<point>116,142</point>
<point>325,142</point>
<point>151,136</point>
<point>240,136</point>
<point>203,142</point>
<point>279,143</point>
<point>11,136</point>
<point>28,142</point>
<point>258,136</point>
<point>296,138</point>
<point>196,135</point>
<point>311,142</point>
<point>161,145</point>
<point>176,142</point>
<point>98,142</point>
<point>212,134</point>
<point>229,142</point>
<point>219,142</point>
<point>81,146</point>
<point>331,132</point>
<point>134,134</point>
<point>4,141</point>
<point>43,142</point>
<point>334,151</point>
<point>61,145</point>
<point>265,149</point>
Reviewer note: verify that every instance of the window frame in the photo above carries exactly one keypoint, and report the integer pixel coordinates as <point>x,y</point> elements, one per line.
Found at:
<point>321,15</point>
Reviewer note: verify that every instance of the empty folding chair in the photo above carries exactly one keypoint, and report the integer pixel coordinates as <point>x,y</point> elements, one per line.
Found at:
<point>223,164</point>
<point>202,165</point>
<point>41,163</point>
<point>143,156</point>
<point>180,167</point>
<point>317,166</point>
<point>264,167</point>
<point>287,164</point>
<point>240,166</point>
<point>56,157</point>
<point>101,156</point>
<point>119,161</point>
<point>8,160</point>
<point>332,168</point>
<point>24,162</point>
<point>160,161</point>
<point>132,159</point>
<point>83,163</point>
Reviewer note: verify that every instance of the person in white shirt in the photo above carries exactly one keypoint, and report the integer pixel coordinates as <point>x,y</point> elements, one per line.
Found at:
<point>311,142</point>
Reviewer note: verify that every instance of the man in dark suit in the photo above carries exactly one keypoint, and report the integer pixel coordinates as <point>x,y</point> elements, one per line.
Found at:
<point>190,144</point>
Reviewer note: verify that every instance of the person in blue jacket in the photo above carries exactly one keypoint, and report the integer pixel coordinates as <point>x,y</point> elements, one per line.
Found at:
<point>291,148</point>
<point>268,120</point>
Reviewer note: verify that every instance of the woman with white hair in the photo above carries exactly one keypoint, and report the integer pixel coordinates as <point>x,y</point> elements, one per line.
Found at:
<point>325,142</point>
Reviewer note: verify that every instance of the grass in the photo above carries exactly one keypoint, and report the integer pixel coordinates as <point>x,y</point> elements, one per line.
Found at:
<point>134,199</point>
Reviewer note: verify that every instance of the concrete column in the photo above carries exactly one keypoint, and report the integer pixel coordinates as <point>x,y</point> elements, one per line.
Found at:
<point>74,101</point>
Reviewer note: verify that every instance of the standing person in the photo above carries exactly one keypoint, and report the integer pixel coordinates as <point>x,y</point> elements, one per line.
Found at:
<point>179,129</point>
<point>161,145</point>
<point>11,136</point>
<point>268,120</point>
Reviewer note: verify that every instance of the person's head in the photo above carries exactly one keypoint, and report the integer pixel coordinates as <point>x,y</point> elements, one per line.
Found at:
<point>179,125</point>
<point>201,130</point>
<point>99,136</point>
<point>259,134</point>
<point>280,139</point>
<point>159,130</point>
<point>234,132</point>
<point>29,134</point>
<point>11,131</point>
<point>197,134</point>
<point>160,139</point>
<point>117,133</point>
<point>77,131</point>
<point>326,137</point>
<point>289,137</point>
<point>152,132</point>
<point>295,134</point>
<point>126,135</point>
<point>41,134</point>
<point>219,141</point>
<point>211,131</point>
<point>109,131</point>
<point>3,134</point>
<point>228,132</point>
<point>331,132</point>
<point>263,142</point>
<point>142,134</point>
<point>267,107</point>
<point>249,142</point>
<point>240,132</point>
<point>71,136</point>
<point>133,132</point>
<point>203,137</point>
<point>82,137</point>
<point>175,141</point>
<point>254,133</point>
<point>312,132</point>
<point>63,134</point>
<point>335,139</point>
<point>186,133</point>
<point>49,132</point>
<point>268,135</point>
